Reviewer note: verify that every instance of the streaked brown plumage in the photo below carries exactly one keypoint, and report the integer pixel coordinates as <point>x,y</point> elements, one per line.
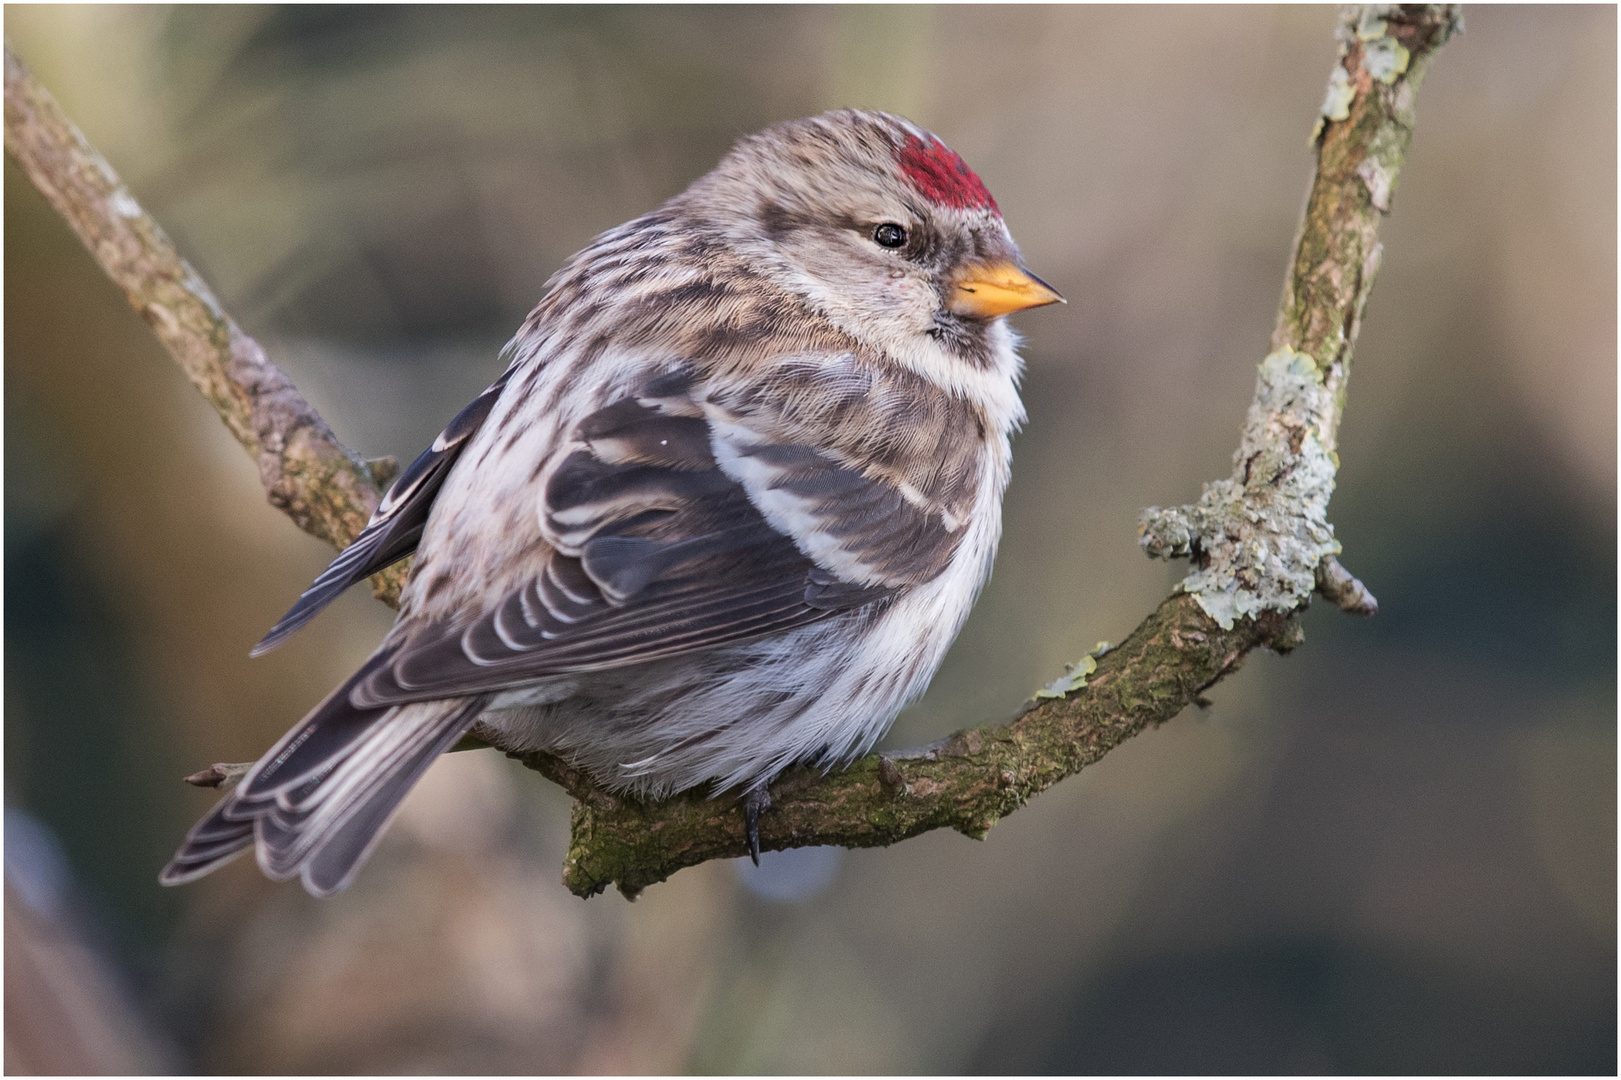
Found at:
<point>724,511</point>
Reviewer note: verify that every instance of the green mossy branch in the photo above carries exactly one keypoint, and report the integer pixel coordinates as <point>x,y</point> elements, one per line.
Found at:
<point>975,778</point>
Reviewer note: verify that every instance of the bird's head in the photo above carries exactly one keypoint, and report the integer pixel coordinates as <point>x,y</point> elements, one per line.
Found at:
<point>878,224</point>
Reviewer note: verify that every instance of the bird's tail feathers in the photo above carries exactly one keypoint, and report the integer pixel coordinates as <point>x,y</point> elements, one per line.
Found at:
<point>328,832</point>
<point>317,802</point>
<point>326,735</point>
<point>211,843</point>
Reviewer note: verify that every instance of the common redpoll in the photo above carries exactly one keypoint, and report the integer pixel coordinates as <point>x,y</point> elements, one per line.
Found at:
<point>724,511</point>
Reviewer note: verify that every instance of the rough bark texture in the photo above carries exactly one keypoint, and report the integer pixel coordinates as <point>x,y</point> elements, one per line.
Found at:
<point>1260,541</point>
<point>1361,138</point>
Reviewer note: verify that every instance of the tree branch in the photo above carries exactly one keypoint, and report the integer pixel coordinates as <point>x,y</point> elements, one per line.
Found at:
<point>1260,540</point>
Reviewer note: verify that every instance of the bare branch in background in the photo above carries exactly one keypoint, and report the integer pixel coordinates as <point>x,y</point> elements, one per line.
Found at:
<point>1259,541</point>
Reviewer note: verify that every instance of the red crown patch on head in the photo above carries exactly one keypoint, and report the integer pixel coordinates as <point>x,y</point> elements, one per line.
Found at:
<point>942,177</point>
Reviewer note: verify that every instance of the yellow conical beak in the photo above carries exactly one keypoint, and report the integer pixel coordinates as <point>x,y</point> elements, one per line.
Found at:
<point>984,291</point>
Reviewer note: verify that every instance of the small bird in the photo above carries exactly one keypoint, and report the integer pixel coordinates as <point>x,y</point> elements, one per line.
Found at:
<point>724,511</point>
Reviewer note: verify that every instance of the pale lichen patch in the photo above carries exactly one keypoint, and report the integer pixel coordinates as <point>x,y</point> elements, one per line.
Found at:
<point>1075,675</point>
<point>124,205</point>
<point>1385,59</point>
<point>1257,537</point>
<point>1337,103</point>
<point>1072,680</point>
<point>1379,181</point>
<point>1371,24</point>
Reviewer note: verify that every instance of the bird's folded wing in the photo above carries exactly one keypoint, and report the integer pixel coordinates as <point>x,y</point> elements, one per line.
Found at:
<point>676,529</point>
<point>395,526</point>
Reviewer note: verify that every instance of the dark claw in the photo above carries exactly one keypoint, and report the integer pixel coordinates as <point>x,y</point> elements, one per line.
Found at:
<point>755,803</point>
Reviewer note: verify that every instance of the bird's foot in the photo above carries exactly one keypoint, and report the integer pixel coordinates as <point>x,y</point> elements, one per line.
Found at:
<point>755,802</point>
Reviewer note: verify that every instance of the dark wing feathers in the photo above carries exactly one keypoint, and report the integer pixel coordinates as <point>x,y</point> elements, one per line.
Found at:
<point>629,432</point>
<point>659,552</point>
<point>396,526</point>
<point>870,520</point>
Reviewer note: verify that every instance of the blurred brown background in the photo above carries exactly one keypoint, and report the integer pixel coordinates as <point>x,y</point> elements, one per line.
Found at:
<point>1393,852</point>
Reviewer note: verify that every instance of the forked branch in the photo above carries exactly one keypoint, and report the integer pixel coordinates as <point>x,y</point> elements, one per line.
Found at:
<point>1259,540</point>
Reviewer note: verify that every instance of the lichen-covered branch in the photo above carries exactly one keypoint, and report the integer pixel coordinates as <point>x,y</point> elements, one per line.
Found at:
<point>310,476</point>
<point>1260,540</point>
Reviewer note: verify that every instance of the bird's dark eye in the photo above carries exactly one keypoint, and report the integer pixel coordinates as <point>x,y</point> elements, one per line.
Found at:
<point>889,235</point>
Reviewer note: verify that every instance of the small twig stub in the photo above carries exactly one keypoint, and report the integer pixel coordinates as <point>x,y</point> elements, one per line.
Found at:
<point>222,775</point>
